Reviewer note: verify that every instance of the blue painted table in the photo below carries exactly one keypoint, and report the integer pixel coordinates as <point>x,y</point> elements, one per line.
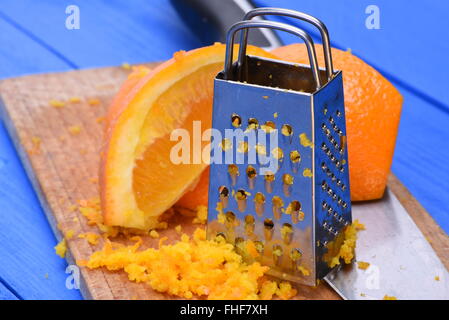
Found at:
<point>34,38</point>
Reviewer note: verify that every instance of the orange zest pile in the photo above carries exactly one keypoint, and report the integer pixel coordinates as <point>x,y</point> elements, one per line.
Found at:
<point>200,267</point>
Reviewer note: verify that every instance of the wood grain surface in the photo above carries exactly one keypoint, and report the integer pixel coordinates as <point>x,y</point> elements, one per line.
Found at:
<point>63,169</point>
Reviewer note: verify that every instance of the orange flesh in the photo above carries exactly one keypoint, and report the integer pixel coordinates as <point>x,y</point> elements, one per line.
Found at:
<point>184,104</point>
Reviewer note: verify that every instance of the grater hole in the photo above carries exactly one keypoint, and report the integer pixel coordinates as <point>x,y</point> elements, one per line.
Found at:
<point>224,196</point>
<point>338,113</point>
<point>259,198</point>
<point>268,127</point>
<point>277,204</point>
<point>269,179</point>
<point>268,229</point>
<point>259,203</point>
<point>335,127</point>
<point>294,209</point>
<point>225,144</point>
<point>251,174</point>
<point>259,246</point>
<point>287,180</point>
<point>277,153</point>
<point>331,120</point>
<point>268,224</point>
<point>233,171</point>
<point>230,219</point>
<point>295,255</point>
<point>295,205</point>
<point>287,233</point>
<point>242,147</point>
<point>239,245</point>
<point>230,216</point>
<point>220,237</point>
<point>241,196</point>
<point>277,254</point>
<point>253,124</point>
<point>238,242</point>
<point>295,159</point>
<point>236,120</point>
<point>295,156</point>
<point>224,192</point>
<point>324,205</point>
<point>324,147</point>
<point>261,149</point>
<point>287,130</point>
<point>324,185</point>
<point>249,220</point>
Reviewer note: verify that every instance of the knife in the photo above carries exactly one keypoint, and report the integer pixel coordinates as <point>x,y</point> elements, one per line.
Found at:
<point>222,14</point>
<point>402,262</point>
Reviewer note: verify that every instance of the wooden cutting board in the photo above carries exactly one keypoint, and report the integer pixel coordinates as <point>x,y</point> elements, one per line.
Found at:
<point>63,169</point>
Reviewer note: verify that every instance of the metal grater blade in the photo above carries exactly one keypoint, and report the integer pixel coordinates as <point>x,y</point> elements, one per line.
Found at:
<point>279,187</point>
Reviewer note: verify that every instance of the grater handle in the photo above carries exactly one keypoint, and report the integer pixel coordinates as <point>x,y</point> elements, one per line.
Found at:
<point>292,14</point>
<point>243,25</point>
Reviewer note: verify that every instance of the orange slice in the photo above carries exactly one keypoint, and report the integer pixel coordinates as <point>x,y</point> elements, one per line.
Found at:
<point>138,179</point>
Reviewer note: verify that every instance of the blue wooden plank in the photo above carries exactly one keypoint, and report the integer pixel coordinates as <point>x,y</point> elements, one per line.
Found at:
<point>27,242</point>
<point>111,32</point>
<point>6,294</point>
<point>21,55</point>
<point>29,264</point>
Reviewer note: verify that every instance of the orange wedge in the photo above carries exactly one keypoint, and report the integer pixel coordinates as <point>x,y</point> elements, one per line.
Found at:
<point>138,179</point>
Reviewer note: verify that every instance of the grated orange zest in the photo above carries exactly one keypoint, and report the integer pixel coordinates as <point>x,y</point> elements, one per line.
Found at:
<point>190,267</point>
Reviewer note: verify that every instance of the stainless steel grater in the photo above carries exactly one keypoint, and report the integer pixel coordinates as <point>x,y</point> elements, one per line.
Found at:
<point>279,184</point>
